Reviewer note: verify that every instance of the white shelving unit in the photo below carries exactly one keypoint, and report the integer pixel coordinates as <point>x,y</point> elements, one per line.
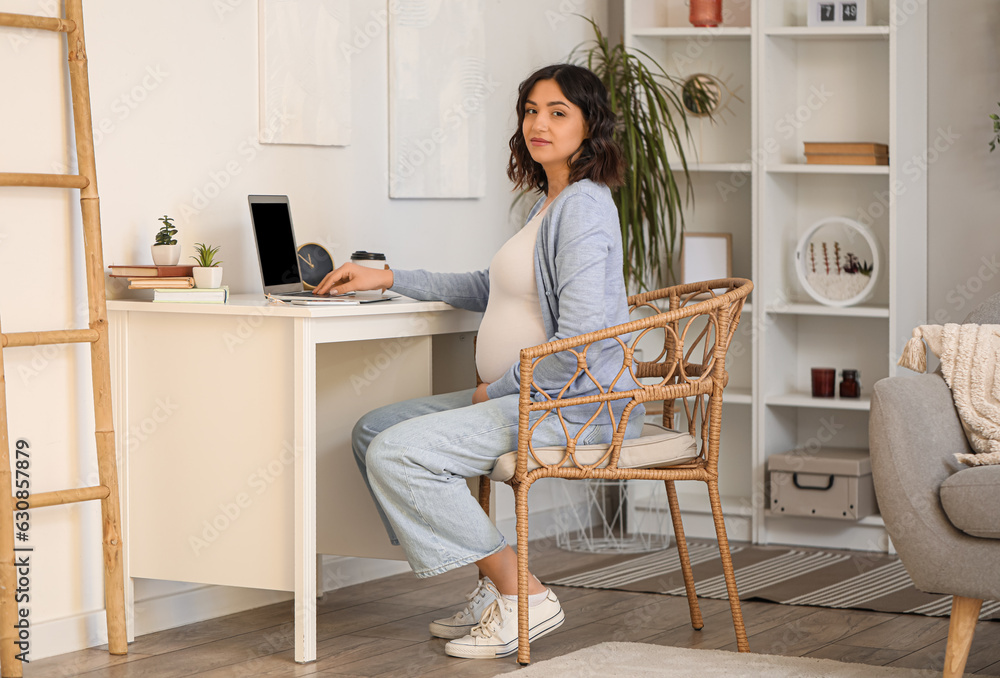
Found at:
<point>691,32</point>
<point>722,174</point>
<point>792,168</point>
<point>794,83</point>
<point>819,309</point>
<point>813,33</point>
<point>724,167</point>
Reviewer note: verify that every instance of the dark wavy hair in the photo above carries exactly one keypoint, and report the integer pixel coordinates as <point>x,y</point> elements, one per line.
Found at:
<point>600,158</point>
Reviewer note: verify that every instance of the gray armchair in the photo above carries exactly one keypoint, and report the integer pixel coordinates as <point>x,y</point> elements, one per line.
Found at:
<point>943,517</point>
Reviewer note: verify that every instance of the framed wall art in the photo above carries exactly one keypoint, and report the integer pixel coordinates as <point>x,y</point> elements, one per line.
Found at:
<point>438,88</point>
<point>705,256</point>
<point>305,77</point>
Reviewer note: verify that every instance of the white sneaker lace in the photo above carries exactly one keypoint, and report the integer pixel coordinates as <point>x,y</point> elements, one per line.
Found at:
<point>474,598</point>
<point>493,618</point>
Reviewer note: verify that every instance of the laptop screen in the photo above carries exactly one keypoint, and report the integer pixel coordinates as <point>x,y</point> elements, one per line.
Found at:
<point>272,225</point>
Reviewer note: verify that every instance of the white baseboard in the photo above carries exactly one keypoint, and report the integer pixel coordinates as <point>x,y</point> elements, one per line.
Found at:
<point>158,613</point>
<point>341,571</point>
<point>198,603</point>
<point>89,629</point>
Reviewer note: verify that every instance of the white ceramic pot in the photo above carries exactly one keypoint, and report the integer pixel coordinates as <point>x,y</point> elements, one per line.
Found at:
<point>166,255</point>
<point>208,276</point>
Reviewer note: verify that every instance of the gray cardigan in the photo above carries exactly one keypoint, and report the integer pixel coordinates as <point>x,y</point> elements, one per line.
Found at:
<point>578,272</point>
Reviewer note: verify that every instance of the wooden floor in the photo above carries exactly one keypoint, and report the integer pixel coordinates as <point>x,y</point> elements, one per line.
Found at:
<point>380,629</point>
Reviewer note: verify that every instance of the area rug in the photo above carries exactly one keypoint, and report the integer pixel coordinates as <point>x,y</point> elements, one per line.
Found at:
<point>629,660</point>
<point>791,576</point>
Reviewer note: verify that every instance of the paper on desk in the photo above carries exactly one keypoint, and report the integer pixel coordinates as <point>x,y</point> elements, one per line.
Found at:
<point>325,301</point>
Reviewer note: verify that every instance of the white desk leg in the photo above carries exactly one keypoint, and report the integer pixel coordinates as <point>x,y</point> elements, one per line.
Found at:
<point>319,576</point>
<point>305,491</point>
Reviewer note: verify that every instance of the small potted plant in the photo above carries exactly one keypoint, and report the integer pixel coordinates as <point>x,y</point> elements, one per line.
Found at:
<point>207,271</point>
<point>166,251</point>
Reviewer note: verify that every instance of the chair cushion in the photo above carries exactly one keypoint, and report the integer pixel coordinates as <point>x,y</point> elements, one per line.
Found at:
<point>971,500</point>
<point>657,446</point>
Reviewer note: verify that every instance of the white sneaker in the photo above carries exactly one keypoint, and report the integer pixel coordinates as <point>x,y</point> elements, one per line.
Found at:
<point>461,623</point>
<point>496,635</point>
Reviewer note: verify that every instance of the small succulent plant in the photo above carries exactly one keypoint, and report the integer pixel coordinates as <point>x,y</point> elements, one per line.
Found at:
<point>165,236</point>
<point>205,255</point>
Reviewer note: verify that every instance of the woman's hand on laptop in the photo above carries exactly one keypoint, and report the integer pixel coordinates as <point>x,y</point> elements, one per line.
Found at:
<point>353,278</point>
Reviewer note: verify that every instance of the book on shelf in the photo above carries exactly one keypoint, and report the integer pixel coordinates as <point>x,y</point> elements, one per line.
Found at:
<point>155,283</point>
<point>840,159</point>
<point>846,148</point>
<point>195,295</point>
<point>151,271</point>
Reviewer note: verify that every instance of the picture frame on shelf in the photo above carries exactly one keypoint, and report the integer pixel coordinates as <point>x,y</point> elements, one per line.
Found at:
<point>838,13</point>
<point>705,256</point>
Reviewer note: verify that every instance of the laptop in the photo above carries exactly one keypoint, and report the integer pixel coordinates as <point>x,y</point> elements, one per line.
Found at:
<point>277,253</point>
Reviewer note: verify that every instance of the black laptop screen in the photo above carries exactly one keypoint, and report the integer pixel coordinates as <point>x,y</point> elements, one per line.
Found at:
<point>275,243</point>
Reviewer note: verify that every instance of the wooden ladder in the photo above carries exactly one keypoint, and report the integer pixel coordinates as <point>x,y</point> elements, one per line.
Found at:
<point>96,336</point>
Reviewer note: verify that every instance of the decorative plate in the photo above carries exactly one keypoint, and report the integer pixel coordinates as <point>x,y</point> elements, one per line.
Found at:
<point>838,262</point>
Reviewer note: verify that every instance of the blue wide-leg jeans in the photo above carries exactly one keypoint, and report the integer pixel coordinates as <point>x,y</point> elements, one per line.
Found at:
<point>415,457</point>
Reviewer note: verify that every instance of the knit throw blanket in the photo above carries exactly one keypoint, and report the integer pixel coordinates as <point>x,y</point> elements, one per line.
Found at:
<point>969,362</point>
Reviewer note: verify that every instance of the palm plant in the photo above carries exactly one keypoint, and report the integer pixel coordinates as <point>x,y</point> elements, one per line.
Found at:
<point>652,119</point>
<point>996,131</point>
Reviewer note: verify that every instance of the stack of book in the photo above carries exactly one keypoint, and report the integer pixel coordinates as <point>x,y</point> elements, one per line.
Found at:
<point>846,153</point>
<point>197,295</point>
<point>155,277</point>
<point>170,284</point>
<point>160,283</point>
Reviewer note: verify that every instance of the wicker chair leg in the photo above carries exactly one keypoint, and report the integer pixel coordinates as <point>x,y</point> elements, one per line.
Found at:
<point>521,511</point>
<point>485,488</point>
<point>484,493</point>
<point>727,567</point>
<point>682,553</point>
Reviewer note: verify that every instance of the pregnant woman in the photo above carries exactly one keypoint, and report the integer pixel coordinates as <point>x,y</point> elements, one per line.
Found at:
<point>560,276</point>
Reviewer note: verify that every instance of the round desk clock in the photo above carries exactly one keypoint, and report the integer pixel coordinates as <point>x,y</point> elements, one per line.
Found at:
<point>314,263</point>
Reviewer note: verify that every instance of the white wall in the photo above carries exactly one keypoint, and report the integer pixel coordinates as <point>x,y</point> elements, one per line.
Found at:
<point>963,176</point>
<point>174,92</point>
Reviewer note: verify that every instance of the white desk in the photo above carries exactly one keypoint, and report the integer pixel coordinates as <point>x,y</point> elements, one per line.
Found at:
<point>229,417</point>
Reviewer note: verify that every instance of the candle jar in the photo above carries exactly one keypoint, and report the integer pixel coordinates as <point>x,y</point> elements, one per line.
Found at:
<point>823,381</point>
<point>705,13</point>
<point>850,385</point>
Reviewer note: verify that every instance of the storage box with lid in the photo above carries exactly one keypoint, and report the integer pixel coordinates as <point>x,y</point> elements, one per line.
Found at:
<point>830,483</point>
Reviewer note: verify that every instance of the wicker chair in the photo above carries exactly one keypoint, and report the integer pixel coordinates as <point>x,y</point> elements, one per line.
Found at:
<point>697,385</point>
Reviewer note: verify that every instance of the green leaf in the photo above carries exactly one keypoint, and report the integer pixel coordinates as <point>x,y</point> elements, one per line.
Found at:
<point>651,127</point>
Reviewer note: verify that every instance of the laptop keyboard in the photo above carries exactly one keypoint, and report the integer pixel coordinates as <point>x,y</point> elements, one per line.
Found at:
<point>307,293</point>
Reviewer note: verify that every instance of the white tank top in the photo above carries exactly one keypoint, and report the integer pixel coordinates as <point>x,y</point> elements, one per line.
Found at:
<point>513,317</point>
